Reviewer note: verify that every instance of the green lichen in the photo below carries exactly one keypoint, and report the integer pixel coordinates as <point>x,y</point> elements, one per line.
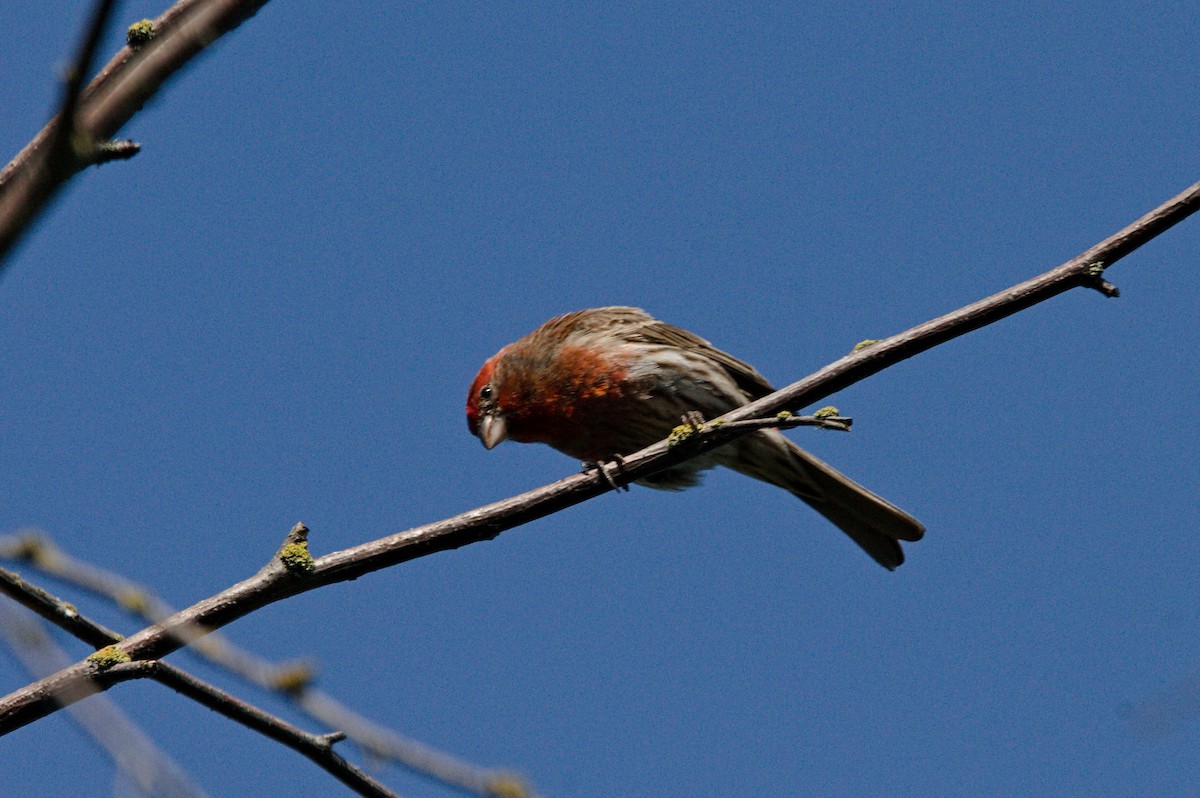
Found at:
<point>139,33</point>
<point>682,433</point>
<point>784,414</point>
<point>865,344</point>
<point>295,557</point>
<point>108,656</point>
<point>828,411</point>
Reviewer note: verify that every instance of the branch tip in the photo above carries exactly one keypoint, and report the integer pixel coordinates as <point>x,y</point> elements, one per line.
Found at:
<point>114,150</point>
<point>1103,286</point>
<point>294,554</point>
<point>1092,277</point>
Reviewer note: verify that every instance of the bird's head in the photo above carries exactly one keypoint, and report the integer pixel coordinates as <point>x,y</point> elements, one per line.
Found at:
<point>484,417</point>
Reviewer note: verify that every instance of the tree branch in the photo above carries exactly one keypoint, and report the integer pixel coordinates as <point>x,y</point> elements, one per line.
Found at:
<point>133,751</point>
<point>294,571</point>
<point>143,755</point>
<point>292,681</point>
<point>55,610</point>
<point>316,747</point>
<point>77,137</point>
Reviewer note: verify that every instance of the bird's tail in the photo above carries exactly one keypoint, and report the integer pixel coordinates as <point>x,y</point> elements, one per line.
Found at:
<point>871,521</point>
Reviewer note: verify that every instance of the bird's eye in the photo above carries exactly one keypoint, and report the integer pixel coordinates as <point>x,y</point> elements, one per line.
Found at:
<point>487,392</point>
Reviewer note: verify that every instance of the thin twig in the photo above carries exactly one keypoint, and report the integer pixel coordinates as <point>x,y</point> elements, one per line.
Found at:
<point>55,610</point>
<point>64,147</point>
<point>316,747</point>
<point>275,582</point>
<point>382,742</point>
<point>39,551</point>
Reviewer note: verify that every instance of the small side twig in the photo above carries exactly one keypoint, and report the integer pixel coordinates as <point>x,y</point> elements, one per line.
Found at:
<point>784,420</point>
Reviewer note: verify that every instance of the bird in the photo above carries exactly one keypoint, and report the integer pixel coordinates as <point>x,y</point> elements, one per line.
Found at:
<point>599,383</point>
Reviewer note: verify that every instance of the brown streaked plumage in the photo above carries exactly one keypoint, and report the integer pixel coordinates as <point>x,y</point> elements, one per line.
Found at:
<point>609,381</point>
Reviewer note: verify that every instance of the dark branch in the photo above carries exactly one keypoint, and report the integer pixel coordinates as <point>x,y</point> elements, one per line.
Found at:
<point>292,680</point>
<point>132,750</point>
<point>316,747</point>
<point>55,610</point>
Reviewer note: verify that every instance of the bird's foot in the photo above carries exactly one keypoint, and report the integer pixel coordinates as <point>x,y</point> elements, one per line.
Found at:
<point>599,465</point>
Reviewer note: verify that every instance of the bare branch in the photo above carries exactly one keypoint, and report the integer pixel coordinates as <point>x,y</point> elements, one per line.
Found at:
<point>316,747</point>
<point>275,582</point>
<point>386,744</point>
<point>78,136</point>
<point>133,751</point>
<point>55,610</point>
<point>292,680</point>
<point>1084,270</point>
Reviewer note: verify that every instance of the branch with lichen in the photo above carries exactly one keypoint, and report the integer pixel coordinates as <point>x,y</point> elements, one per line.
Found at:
<point>131,749</point>
<point>114,665</point>
<point>292,681</point>
<point>275,582</point>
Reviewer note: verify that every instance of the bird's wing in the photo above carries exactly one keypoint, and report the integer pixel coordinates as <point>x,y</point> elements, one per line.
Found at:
<point>747,378</point>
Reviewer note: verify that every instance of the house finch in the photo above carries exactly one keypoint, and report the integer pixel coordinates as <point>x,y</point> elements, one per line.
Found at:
<point>599,383</point>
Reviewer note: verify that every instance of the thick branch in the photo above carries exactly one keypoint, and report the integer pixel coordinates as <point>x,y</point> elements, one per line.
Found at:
<point>276,581</point>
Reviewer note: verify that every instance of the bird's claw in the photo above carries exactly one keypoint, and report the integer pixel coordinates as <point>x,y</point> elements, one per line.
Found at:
<point>599,465</point>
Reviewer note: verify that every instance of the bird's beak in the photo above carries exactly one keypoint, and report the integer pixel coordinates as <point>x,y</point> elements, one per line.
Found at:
<point>492,430</point>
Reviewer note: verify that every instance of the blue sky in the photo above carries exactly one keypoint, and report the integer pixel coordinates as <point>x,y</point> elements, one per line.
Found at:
<point>273,313</point>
